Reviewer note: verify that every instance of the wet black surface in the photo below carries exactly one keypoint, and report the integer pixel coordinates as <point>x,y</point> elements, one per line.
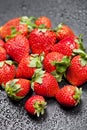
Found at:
<point>12,115</point>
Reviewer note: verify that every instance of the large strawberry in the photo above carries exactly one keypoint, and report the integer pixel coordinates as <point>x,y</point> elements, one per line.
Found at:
<point>67,45</point>
<point>6,29</point>
<point>56,64</point>
<point>17,88</point>
<point>41,40</point>
<point>43,20</point>
<point>69,96</point>
<point>2,54</point>
<point>63,31</point>
<point>77,72</point>
<point>17,47</point>
<point>44,83</point>
<point>7,71</point>
<point>28,65</point>
<point>35,105</point>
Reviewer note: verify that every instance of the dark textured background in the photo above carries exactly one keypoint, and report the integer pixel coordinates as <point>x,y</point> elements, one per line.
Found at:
<point>12,115</point>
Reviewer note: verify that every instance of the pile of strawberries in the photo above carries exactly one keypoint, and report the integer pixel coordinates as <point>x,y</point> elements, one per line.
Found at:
<point>33,55</point>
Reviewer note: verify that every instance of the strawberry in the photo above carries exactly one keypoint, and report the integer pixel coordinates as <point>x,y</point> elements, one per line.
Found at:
<point>67,45</point>
<point>63,31</point>
<point>28,65</point>
<point>17,47</point>
<point>2,43</point>
<point>2,54</point>
<point>43,20</point>
<point>17,88</point>
<point>76,73</point>
<point>56,64</point>
<point>35,105</point>
<point>69,96</point>
<point>5,30</point>
<point>41,40</point>
<point>44,83</point>
<point>7,71</point>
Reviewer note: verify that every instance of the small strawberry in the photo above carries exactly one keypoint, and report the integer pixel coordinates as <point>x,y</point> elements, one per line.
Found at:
<point>28,65</point>
<point>6,29</point>
<point>17,47</point>
<point>56,64</point>
<point>43,20</point>
<point>41,40</point>
<point>3,54</point>
<point>63,31</point>
<point>69,96</point>
<point>2,43</point>
<point>44,83</point>
<point>67,45</point>
<point>17,88</point>
<point>76,73</point>
<point>7,71</point>
<point>35,105</point>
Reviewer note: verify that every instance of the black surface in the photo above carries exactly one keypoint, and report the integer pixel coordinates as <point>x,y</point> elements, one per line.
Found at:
<point>12,115</point>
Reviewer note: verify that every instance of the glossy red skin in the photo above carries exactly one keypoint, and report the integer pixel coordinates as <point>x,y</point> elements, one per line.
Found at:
<point>65,31</point>
<point>23,70</point>
<point>49,58</point>
<point>44,20</point>
<point>76,73</point>
<point>49,86</point>
<point>41,41</point>
<point>6,28</point>
<point>65,96</point>
<point>7,72</point>
<point>66,46</point>
<point>3,54</point>
<point>17,47</point>
<point>2,43</point>
<point>24,87</point>
<point>29,105</point>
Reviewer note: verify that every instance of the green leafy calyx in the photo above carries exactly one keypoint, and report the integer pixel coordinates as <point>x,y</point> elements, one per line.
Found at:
<point>29,21</point>
<point>39,107</point>
<point>61,67</point>
<point>83,56</point>
<point>37,77</point>
<point>77,95</point>
<point>9,62</point>
<point>36,60</point>
<point>12,88</point>
<point>79,40</point>
<point>58,28</point>
<point>14,32</point>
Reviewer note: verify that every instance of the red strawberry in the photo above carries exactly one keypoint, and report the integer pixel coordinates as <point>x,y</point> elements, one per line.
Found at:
<point>5,30</point>
<point>43,20</point>
<point>69,95</point>
<point>17,88</point>
<point>28,65</point>
<point>56,64</point>
<point>44,83</point>
<point>35,105</point>
<point>2,54</point>
<point>17,47</point>
<point>67,45</point>
<point>7,71</point>
<point>77,72</point>
<point>2,43</point>
<point>63,31</point>
<point>42,40</point>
